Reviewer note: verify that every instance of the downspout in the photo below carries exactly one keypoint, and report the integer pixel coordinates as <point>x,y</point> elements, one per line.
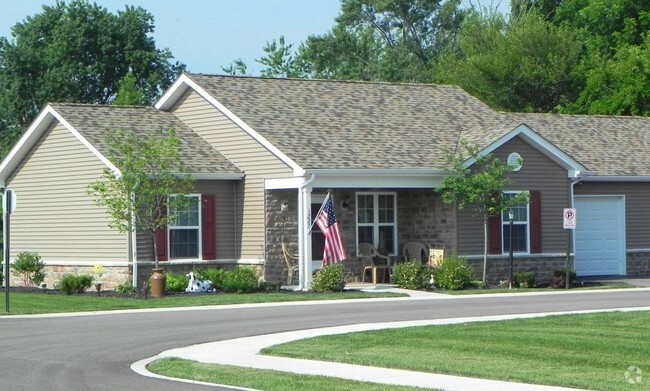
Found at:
<point>302,235</point>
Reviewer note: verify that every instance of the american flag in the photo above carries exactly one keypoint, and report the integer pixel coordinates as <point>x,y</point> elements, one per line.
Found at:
<point>334,251</point>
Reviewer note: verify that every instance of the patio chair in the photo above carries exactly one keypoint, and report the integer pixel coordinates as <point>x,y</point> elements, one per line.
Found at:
<point>291,260</point>
<point>372,261</point>
<point>415,251</point>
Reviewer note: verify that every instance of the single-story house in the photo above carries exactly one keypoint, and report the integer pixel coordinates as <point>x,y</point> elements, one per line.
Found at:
<point>265,152</point>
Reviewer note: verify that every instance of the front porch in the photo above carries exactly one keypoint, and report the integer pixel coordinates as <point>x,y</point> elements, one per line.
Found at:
<point>386,218</point>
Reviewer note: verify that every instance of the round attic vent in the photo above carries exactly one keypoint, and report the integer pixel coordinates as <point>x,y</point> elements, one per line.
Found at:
<point>515,160</point>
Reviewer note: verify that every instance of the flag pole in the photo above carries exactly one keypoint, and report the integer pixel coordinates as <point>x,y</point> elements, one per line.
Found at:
<point>313,221</point>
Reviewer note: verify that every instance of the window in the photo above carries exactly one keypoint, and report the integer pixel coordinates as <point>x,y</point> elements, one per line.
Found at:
<point>376,221</point>
<point>185,229</point>
<point>520,227</point>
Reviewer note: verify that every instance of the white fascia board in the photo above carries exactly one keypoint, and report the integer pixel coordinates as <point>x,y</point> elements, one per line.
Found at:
<point>612,178</point>
<point>217,176</point>
<point>533,138</point>
<point>34,133</point>
<point>184,82</point>
<point>360,178</point>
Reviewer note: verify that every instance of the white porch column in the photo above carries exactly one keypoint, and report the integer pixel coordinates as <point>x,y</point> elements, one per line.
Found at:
<point>304,236</point>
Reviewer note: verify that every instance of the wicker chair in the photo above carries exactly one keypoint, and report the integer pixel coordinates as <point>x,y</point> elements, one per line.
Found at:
<point>372,261</point>
<point>415,251</point>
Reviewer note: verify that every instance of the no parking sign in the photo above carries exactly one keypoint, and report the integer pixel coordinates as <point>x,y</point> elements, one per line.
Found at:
<point>569,218</point>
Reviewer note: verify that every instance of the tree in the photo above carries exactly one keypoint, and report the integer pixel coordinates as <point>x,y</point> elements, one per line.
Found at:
<point>76,52</point>
<point>280,60</point>
<point>128,93</point>
<point>388,40</point>
<point>523,64</point>
<point>478,181</point>
<point>149,179</point>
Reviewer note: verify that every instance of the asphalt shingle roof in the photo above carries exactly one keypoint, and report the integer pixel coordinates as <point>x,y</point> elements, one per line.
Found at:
<point>92,122</point>
<point>351,125</point>
<point>606,145</point>
<point>346,124</point>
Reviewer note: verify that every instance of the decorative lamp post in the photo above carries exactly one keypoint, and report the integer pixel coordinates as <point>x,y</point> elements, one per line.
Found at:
<point>511,216</point>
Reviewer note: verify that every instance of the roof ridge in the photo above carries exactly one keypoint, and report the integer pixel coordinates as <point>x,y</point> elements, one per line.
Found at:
<point>71,104</point>
<point>619,116</point>
<point>377,82</point>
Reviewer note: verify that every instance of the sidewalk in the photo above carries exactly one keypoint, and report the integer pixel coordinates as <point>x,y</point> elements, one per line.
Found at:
<point>244,352</point>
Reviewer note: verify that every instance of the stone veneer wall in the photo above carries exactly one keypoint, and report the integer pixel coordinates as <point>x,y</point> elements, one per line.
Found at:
<point>498,267</point>
<point>110,276</point>
<point>281,226</point>
<point>638,263</point>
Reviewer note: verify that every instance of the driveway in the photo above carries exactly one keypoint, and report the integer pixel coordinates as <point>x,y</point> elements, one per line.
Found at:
<point>95,351</point>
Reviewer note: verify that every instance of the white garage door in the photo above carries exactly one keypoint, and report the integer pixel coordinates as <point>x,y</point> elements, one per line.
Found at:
<point>600,235</point>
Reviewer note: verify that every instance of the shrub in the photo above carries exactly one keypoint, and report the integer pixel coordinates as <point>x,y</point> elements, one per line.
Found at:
<point>558,279</point>
<point>176,282</point>
<point>216,276</point>
<point>410,275</point>
<point>524,279</point>
<point>70,284</point>
<point>453,274</point>
<point>329,279</point>
<point>240,280</point>
<point>29,267</point>
<point>125,288</point>
<point>268,286</point>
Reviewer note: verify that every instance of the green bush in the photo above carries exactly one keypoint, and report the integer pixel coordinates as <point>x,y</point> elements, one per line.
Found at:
<point>453,274</point>
<point>125,287</point>
<point>329,279</point>
<point>524,279</point>
<point>216,276</point>
<point>70,284</point>
<point>176,282</point>
<point>558,279</point>
<point>29,267</point>
<point>240,280</point>
<point>410,275</point>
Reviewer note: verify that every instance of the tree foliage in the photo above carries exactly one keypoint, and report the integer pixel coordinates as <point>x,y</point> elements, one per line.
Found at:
<point>128,93</point>
<point>76,52</point>
<point>150,172</point>
<point>523,65</point>
<point>478,181</point>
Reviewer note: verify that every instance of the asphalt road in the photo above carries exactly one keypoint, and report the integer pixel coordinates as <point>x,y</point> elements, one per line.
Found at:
<point>94,352</point>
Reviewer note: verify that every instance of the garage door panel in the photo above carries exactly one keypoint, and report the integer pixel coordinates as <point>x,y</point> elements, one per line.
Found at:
<point>600,235</point>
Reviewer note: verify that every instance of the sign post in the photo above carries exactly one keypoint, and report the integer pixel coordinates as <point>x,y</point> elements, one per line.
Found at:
<point>8,207</point>
<point>569,225</point>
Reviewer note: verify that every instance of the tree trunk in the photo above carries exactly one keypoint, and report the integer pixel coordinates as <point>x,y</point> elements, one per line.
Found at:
<point>155,249</point>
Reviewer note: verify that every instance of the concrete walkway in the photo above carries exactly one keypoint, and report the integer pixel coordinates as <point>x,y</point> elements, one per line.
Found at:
<point>244,352</point>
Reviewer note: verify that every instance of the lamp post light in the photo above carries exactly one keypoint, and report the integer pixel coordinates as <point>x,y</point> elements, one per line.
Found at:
<point>511,216</point>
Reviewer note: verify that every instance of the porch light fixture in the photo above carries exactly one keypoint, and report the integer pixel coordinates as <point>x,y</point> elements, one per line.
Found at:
<point>346,202</point>
<point>284,206</point>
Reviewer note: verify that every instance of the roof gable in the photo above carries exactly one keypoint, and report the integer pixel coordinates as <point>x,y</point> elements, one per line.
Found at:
<point>89,124</point>
<point>322,124</point>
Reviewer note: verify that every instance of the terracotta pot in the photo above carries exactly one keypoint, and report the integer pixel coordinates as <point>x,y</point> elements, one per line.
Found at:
<point>157,283</point>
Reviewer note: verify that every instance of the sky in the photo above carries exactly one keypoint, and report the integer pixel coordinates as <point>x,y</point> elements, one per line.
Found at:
<point>209,34</point>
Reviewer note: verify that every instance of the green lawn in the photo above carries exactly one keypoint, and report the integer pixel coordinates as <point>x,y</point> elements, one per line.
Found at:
<point>583,351</point>
<point>35,303</point>
<point>590,351</point>
<point>261,379</point>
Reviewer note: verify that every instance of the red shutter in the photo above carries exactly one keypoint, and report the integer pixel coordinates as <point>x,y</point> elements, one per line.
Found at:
<point>208,227</point>
<point>535,222</point>
<point>494,234</point>
<point>161,239</point>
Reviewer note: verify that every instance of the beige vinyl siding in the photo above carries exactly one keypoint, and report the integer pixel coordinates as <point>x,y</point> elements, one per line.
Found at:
<point>538,173</point>
<point>224,192</point>
<point>54,215</point>
<point>248,155</point>
<point>637,212</point>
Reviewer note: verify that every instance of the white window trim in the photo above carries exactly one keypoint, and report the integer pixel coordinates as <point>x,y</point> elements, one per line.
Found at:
<point>199,227</point>
<point>507,222</point>
<point>376,224</point>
